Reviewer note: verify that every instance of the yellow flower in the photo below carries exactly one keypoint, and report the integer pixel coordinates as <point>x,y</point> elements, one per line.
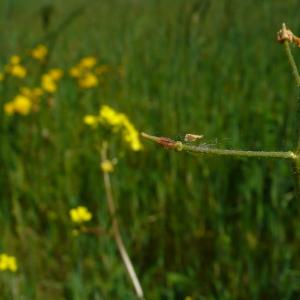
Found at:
<point>15,60</point>
<point>39,52</point>
<point>56,74</point>
<point>91,120</point>
<point>131,136</point>
<point>49,80</point>
<point>31,93</point>
<point>119,121</point>
<point>88,62</point>
<point>34,94</point>
<point>75,72</point>
<point>9,108</point>
<point>111,117</point>
<point>17,70</point>
<point>89,80</point>
<point>107,166</point>
<point>8,263</point>
<point>80,215</point>
<point>1,76</point>
<point>22,105</point>
<point>48,83</point>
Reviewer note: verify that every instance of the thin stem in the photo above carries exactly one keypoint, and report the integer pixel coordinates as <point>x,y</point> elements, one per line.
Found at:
<point>116,230</point>
<point>296,75</point>
<point>286,36</point>
<point>291,58</point>
<point>177,145</point>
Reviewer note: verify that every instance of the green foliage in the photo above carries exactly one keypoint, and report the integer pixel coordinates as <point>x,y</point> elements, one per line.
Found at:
<point>196,226</point>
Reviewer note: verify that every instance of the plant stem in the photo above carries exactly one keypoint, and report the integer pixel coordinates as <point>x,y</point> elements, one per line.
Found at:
<point>291,58</point>
<point>116,230</point>
<point>177,145</point>
<point>296,75</point>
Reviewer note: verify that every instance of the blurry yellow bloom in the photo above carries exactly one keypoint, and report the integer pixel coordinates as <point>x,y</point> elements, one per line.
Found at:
<point>91,120</point>
<point>107,166</point>
<point>39,52</point>
<point>88,62</point>
<point>49,80</point>
<point>111,117</point>
<point>119,121</point>
<point>89,80</point>
<point>75,72</point>
<point>8,263</point>
<point>9,108</point>
<point>131,136</point>
<point>1,76</point>
<point>37,92</point>
<point>80,214</point>
<point>15,60</point>
<point>48,83</point>
<point>17,70</point>
<point>32,93</point>
<point>56,74</point>
<point>188,298</point>
<point>22,105</point>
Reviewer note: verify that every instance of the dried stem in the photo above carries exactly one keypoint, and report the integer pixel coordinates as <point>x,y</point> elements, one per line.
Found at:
<point>179,146</point>
<point>116,230</point>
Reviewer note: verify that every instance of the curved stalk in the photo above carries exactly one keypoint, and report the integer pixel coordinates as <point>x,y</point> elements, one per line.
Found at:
<point>116,230</point>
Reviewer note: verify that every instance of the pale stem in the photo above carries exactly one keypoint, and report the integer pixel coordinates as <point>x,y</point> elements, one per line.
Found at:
<point>116,230</point>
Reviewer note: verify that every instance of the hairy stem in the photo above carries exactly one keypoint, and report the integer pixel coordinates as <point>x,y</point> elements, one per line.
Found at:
<point>178,145</point>
<point>116,231</point>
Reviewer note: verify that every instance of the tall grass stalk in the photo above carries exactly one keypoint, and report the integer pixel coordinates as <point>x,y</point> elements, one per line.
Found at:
<point>116,230</point>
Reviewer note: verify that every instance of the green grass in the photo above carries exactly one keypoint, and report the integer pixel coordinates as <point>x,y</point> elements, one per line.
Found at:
<point>201,226</point>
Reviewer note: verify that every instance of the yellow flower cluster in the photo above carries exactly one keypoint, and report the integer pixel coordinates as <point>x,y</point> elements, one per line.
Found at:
<point>39,52</point>
<point>84,72</point>
<point>50,79</point>
<point>28,98</point>
<point>119,122</point>
<point>80,214</point>
<point>8,263</point>
<point>15,68</point>
<point>19,105</point>
<point>33,93</point>
<point>24,102</point>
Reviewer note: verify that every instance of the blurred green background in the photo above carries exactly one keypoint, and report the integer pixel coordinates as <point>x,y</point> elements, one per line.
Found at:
<point>197,226</point>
